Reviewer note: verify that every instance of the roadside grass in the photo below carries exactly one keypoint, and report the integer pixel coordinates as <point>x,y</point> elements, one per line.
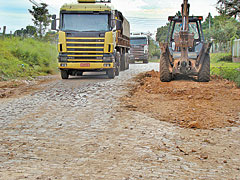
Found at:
<point>221,65</point>
<point>26,58</point>
<point>154,60</point>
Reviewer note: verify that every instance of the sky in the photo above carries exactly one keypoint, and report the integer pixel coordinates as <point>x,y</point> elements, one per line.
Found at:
<point>144,15</point>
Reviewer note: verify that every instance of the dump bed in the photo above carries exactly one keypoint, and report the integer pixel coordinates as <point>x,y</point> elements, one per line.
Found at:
<point>126,27</point>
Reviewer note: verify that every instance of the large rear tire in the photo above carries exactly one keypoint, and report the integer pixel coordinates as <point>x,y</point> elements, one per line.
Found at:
<point>165,75</point>
<point>64,74</point>
<point>111,73</point>
<point>204,73</point>
<point>117,68</point>
<point>123,62</point>
<point>145,61</point>
<point>127,61</point>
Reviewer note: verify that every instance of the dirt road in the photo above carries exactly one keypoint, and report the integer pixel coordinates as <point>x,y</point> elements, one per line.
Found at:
<point>80,129</point>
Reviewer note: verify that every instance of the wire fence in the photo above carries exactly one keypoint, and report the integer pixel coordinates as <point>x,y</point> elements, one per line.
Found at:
<point>221,47</point>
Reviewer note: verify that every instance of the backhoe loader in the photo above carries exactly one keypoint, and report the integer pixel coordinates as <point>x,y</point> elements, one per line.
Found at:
<point>185,50</point>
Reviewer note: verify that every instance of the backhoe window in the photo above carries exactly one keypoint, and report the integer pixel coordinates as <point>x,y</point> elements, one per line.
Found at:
<point>85,22</point>
<point>192,29</point>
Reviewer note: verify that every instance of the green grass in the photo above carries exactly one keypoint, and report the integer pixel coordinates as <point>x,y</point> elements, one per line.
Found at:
<point>154,60</point>
<point>221,66</point>
<point>26,58</point>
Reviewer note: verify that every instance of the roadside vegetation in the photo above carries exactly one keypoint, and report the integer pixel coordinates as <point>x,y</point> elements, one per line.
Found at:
<point>31,51</point>
<point>222,66</point>
<point>26,58</point>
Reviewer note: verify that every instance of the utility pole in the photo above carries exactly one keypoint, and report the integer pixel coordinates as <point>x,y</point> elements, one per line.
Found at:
<point>209,19</point>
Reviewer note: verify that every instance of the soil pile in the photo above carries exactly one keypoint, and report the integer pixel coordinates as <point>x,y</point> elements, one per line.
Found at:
<point>186,102</point>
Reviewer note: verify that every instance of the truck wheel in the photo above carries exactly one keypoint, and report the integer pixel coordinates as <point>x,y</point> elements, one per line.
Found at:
<point>117,68</point>
<point>145,61</point>
<point>165,75</point>
<point>80,73</point>
<point>127,61</point>
<point>64,74</point>
<point>111,73</point>
<point>204,73</point>
<point>123,62</point>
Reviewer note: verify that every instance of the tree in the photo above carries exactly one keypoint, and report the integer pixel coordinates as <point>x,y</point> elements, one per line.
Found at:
<point>229,7</point>
<point>29,31</point>
<point>225,29</point>
<point>162,33</point>
<point>154,49</point>
<point>41,18</point>
<point>208,22</point>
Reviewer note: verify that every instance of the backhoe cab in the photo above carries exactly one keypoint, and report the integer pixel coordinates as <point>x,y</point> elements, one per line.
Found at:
<point>185,50</point>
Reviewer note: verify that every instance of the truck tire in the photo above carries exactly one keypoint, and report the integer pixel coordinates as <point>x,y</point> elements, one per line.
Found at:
<point>117,68</point>
<point>111,73</point>
<point>127,61</point>
<point>165,75</point>
<point>64,74</point>
<point>123,62</point>
<point>204,73</point>
<point>145,61</point>
<point>80,73</point>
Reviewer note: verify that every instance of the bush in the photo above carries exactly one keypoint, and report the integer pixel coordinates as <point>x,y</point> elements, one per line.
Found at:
<point>221,66</point>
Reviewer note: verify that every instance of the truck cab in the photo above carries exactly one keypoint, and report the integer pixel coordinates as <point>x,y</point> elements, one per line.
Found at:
<point>89,38</point>
<point>139,47</point>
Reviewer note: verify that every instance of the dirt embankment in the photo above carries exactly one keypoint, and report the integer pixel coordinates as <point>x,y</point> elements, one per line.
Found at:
<point>16,88</point>
<point>185,102</point>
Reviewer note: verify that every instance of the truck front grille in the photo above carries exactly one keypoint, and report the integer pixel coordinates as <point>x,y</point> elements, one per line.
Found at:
<point>85,49</point>
<point>137,51</point>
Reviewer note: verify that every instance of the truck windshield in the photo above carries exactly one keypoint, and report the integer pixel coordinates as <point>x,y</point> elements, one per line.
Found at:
<point>138,41</point>
<point>85,22</point>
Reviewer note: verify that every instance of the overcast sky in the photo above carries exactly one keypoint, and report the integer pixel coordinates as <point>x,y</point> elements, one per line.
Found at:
<point>144,15</point>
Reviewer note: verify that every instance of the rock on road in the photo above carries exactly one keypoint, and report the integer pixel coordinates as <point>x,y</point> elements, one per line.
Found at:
<point>78,129</point>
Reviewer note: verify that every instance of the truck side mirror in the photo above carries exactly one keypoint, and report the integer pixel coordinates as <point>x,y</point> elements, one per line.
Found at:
<point>119,25</point>
<point>54,23</point>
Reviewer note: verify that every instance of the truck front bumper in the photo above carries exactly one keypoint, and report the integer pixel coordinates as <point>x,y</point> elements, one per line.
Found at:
<point>85,66</point>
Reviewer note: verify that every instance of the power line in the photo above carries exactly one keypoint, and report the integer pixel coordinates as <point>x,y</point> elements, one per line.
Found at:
<point>34,3</point>
<point>49,5</point>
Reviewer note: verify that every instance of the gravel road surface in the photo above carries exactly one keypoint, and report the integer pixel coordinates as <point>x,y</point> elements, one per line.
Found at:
<point>79,129</point>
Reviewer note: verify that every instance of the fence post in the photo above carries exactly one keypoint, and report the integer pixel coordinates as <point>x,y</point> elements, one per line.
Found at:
<point>4,31</point>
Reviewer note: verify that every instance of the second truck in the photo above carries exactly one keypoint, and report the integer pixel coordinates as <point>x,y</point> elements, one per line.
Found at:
<point>139,47</point>
<point>92,37</point>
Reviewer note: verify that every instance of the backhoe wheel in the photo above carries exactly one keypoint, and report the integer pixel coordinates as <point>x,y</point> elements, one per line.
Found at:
<point>165,75</point>
<point>111,73</point>
<point>64,74</point>
<point>204,73</point>
<point>123,62</point>
<point>117,68</point>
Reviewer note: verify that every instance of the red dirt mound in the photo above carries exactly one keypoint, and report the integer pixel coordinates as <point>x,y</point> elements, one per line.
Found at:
<point>186,102</point>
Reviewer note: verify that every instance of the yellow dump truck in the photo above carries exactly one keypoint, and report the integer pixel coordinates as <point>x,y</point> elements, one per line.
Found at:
<point>92,37</point>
